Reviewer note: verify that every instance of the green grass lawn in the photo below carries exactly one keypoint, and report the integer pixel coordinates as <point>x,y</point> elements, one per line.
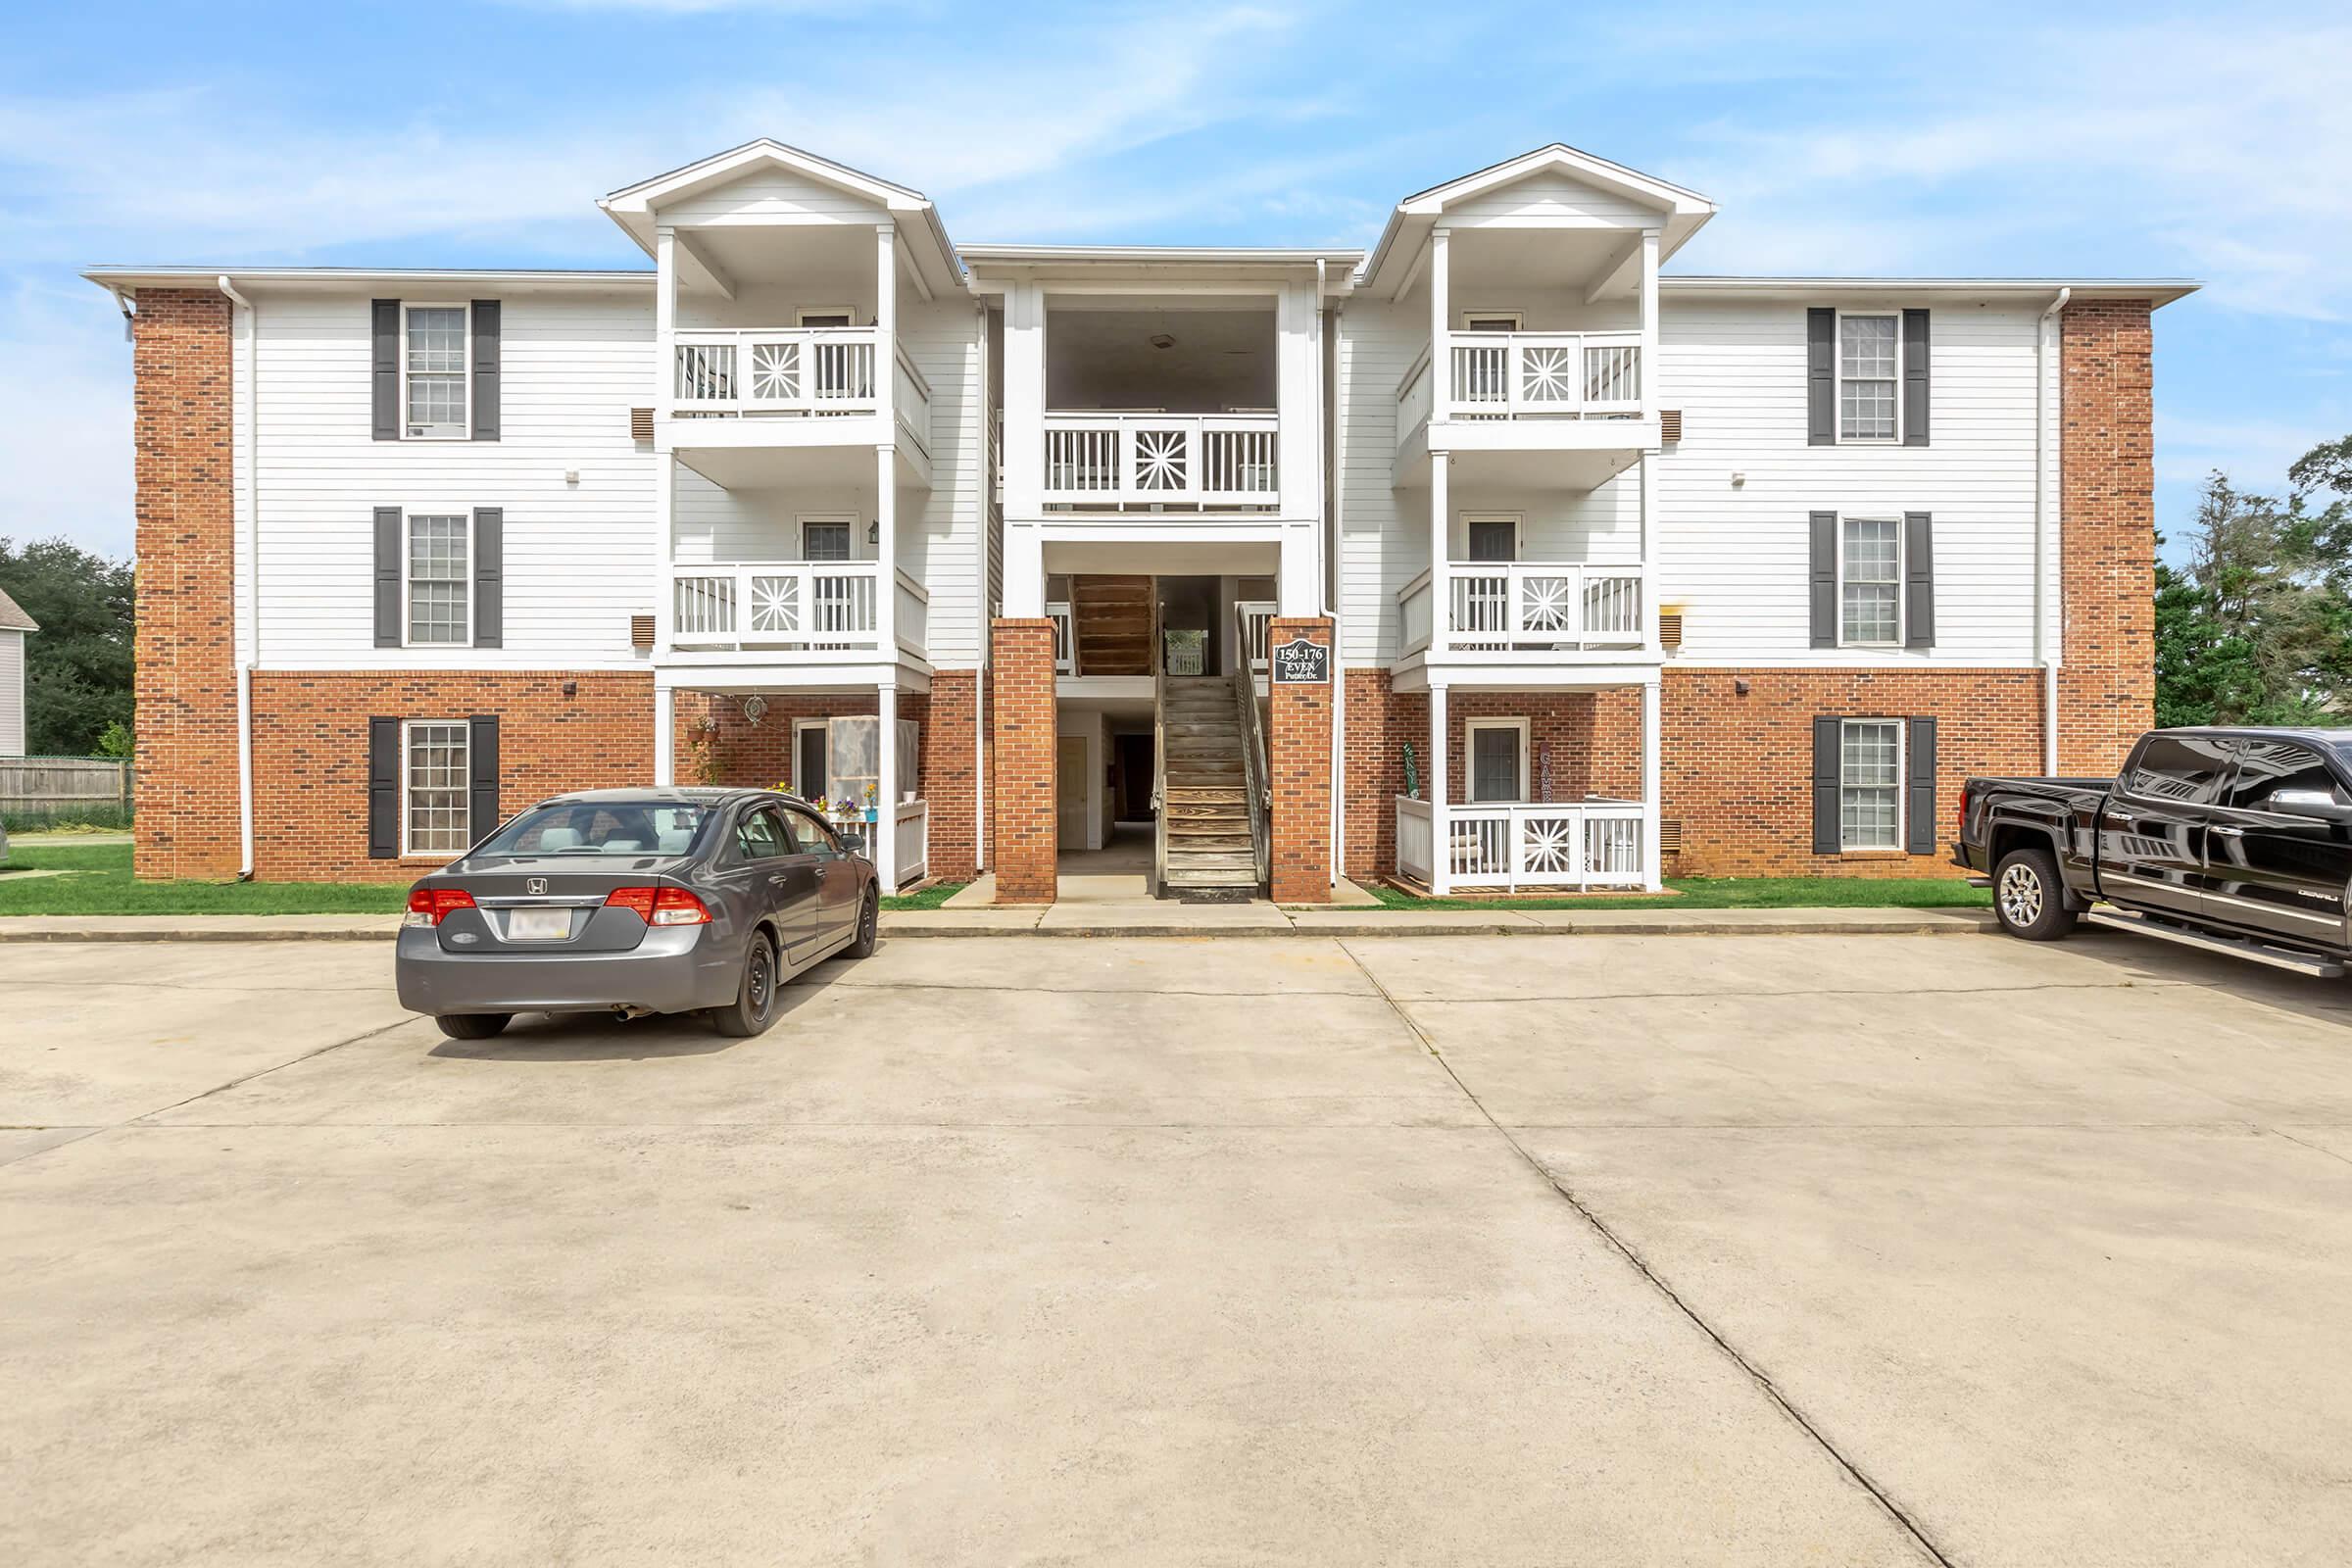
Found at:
<point>930,897</point>
<point>1738,893</point>
<point>98,881</point>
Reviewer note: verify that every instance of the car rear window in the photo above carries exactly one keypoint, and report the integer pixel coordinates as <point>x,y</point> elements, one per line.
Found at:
<point>2178,768</point>
<point>600,827</point>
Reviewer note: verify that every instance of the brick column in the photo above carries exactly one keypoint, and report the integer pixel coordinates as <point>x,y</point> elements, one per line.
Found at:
<point>1020,784</point>
<point>948,777</point>
<point>1299,743</point>
<point>2107,547</point>
<point>185,688</point>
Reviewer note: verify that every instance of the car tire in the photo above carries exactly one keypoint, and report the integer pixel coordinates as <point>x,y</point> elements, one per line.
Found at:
<point>473,1025</point>
<point>754,1005</point>
<point>869,928</point>
<point>2027,897</point>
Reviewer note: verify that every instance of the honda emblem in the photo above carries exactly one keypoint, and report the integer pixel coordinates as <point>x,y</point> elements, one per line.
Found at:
<point>535,885</point>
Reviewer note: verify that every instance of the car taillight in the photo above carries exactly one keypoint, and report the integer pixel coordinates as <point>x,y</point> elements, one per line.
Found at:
<point>427,906</point>
<point>1962,818</point>
<point>660,905</point>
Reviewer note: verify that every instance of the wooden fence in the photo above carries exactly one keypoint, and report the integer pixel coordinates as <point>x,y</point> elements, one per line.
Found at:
<point>47,784</point>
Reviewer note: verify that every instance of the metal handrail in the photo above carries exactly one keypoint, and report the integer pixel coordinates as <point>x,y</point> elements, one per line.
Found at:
<point>1160,751</point>
<point>1256,786</point>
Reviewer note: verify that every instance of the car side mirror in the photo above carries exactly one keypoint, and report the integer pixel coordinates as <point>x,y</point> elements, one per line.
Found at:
<point>2322,805</point>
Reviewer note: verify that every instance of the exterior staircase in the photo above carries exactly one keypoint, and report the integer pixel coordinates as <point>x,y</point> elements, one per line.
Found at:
<point>1113,619</point>
<point>1206,800</point>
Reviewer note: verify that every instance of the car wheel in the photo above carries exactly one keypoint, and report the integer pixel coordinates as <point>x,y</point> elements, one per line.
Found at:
<point>2028,899</point>
<point>473,1025</point>
<point>754,1005</point>
<point>869,922</point>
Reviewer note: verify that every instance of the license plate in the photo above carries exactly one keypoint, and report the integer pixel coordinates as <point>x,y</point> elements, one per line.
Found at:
<point>538,925</point>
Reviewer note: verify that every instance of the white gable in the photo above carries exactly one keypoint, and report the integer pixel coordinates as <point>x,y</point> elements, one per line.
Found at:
<point>1552,198</point>
<point>769,194</point>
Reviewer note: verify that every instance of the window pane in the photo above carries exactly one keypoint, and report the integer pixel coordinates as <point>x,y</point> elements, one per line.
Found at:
<point>1870,612</point>
<point>436,366</point>
<point>437,767</point>
<point>1866,360</point>
<point>1866,345</point>
<point>1866,410</point>
<point>2185,767</point>
<point>2269,766</point>
<point>439,588</point>
<point>1493,763</point>
<point>1869,802</point>
<point>825,541</point>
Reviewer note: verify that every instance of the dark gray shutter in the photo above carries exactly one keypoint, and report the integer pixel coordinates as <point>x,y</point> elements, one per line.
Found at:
<point>1828,835</point>
<point>1919,581</point>
<point>481,798</point>
<point>387,576</point>
<point>1821,377</point>
<point>1915,379</point>
<point>383,379</point>
<point>489,577</point>
<point>1921,837</point>
<point>383,788</point>
<point>1824,532</point>
<point>485,369</point>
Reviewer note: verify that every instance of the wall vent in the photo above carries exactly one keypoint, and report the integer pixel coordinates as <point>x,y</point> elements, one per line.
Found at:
<point>641,631</point>
<point>641,424</point>
<point>1670,425</point>
<point>1670,835</point>
<point>1670,628</point>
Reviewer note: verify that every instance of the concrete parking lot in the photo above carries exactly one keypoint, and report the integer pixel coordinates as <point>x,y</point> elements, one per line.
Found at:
<point>1526,1250</point>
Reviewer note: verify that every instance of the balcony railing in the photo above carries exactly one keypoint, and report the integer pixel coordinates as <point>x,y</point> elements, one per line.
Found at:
<point>795,607</point>
<point>761,369</point>
<point>1065,637</point>
<point>1591,843</point>
<point>1526,375</point>
<point>1524,606</point>
<point>911,825</point>
<point>1192,460</point>
<point>1257,623</point>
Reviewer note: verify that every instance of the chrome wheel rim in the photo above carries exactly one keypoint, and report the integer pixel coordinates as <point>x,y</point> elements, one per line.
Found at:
<point>2021,896</point>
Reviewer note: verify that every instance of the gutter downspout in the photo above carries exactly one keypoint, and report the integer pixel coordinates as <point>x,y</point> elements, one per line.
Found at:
<point>1326,404</point>
<point>250,617</point>
<point>987,629</point>
<point>2043,655</point>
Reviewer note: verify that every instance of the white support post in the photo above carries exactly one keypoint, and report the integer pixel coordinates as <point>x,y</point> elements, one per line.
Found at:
<point>886,321</point>
<point>1024,571</point>
<point>886,551</point>
<point>1649,320</point>
<point>882,845</point>
<point>1441,862</point>
<point>665,547</point>
<point>665,322</point>
<point>1440,352</point>
<point>1646,482</point>
<point>1024,446</point>
<point>1653,857</point>
<point>1440,532</point>
<point>664,737</point>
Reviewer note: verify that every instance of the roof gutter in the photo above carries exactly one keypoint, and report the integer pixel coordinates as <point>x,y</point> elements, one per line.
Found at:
<point>2044,654</point>
<point>250,617</point>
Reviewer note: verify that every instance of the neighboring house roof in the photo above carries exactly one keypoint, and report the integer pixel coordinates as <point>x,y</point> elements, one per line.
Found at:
<point>14,618</point>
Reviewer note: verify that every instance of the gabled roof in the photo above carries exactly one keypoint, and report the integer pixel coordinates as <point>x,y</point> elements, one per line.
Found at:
<point>13,618</point>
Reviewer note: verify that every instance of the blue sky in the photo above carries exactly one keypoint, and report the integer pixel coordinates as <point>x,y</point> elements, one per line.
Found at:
<point>2072,139</point>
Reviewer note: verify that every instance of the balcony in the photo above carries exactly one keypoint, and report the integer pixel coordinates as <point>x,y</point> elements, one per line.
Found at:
<point>1515,845</point>
<point>1569,407</point>
<point>1196,461</point>
<point>795,611</point>
<point>786,386</point>
<point>1538,610</point>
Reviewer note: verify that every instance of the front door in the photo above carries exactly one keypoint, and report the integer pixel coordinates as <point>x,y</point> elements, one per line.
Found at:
<point>2152,834</point>
<point>1494,764</point>
<point>1071,780</point>
<point>2277,857</point>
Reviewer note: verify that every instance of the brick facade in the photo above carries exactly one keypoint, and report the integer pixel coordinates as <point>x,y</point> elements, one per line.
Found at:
<point>186,689</point>
<point>2107,683</point>
<point>1021,707</point>
<point>1380,722</point>
<point>1298,745</point>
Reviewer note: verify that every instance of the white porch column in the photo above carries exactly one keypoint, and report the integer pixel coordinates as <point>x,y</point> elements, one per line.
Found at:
<point>1649,320</point>
<point>1024,571</point>
<point>886,319</point>
<point>882,846</point>
<point>1646,482</point>
<point>665,730</point>
<point>1441,299</point>
<point>665,545</point>
<point>1024,446</point>
<point>1441,533</point>
<point>1441,862</point>
<point>1653,858</point>
<point>886,551</point>
<point>665,322</point>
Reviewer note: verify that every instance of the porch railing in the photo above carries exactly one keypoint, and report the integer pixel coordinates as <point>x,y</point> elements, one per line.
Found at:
<point>780,369</point>
<point>1257,781</point>
<point>910,399</point>
<point>1510,845</point>
<point>1525,375</point>
<point>1205,460</point>
<point>912,615</point>
<point>912,840</point>
<point>1523,606</point>
<point>1255,619</point>
<point>1065,637</point>
<point>808,607</point>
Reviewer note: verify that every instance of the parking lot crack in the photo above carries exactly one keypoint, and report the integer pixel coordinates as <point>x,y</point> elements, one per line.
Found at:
<point>1755,1374</point>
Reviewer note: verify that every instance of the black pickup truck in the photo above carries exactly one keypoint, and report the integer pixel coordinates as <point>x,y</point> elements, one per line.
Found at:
<point>2239,839</point>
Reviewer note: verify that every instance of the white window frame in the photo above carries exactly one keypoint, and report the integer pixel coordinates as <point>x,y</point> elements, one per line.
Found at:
<point>408,518</point>
<point>800,785</point>
<point>465,308</point>
<point>1517,318</point>
<point>846,313</point>
<point>1901,631</point>
<point>1902,791</point>
<point>1838,380</point>
<point>1527,783</point>
<point>1517,520</point>
<point>408,786</point>
<point>802,520</point>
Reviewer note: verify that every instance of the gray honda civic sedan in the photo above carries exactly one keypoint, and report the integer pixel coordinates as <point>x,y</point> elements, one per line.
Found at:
<point>635,902</point>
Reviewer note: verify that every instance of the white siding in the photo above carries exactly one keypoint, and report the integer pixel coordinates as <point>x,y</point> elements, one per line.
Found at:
<point>12,693</point>
<point>1383,534</point>
<point>1551,198</point>
<point>940,531</point>
<point>772,196</point>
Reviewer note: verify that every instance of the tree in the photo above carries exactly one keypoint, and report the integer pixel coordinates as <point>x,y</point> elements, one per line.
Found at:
<point>77,667</point>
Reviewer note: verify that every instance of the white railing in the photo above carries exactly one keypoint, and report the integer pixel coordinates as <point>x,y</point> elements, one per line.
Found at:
<point>910,399</point>
<point>1417,852</point>
<point>1521,376</point>
<point>1414,398</point>
<point>1542,606</point>
<point>912,612</point>
<point>1160,458</point>
<point>912,841</point>
<point>1256,622</point>
<point>1588,844</point>
<point>1414,602</point>
<point>782,369</point>
<point>1065,638</point>
<point>813,606</point>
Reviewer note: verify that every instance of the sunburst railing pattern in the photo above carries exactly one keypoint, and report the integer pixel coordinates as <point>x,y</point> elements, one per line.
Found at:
<point>1208,460</point>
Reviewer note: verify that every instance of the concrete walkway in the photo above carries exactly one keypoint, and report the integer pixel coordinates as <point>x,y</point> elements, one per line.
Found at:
<point>1137,918</point>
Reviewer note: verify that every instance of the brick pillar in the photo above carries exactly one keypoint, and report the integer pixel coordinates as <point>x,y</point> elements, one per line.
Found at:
<point>1020,785</point>
<point>951,782</point>
<point>185,688</point>
<point>2107,548</point>
<point>1298,744</point>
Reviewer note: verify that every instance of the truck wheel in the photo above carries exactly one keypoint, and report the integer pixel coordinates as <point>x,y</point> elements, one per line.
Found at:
<point>2028,899</point>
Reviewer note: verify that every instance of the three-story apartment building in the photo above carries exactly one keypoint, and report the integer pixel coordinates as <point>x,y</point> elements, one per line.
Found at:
<point>1498,558</point>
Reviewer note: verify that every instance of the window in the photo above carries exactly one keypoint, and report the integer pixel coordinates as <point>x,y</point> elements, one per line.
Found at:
<point>761,835</point>
<point>600,827</point>
<point>827,540</point>
<point>1866,351</point>
<point>1498,750</point>
<point>1491,536</point>
<point>827,316</point>
<point>2276,776</point>
<point>440,579</point>
<point>433,371</point>
<point>815,838</point>
<point>2178,768</point>
<point>1490,321</point>
<point>1869,795</point>
<point>1870,577</point>
<point>436,759</point>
